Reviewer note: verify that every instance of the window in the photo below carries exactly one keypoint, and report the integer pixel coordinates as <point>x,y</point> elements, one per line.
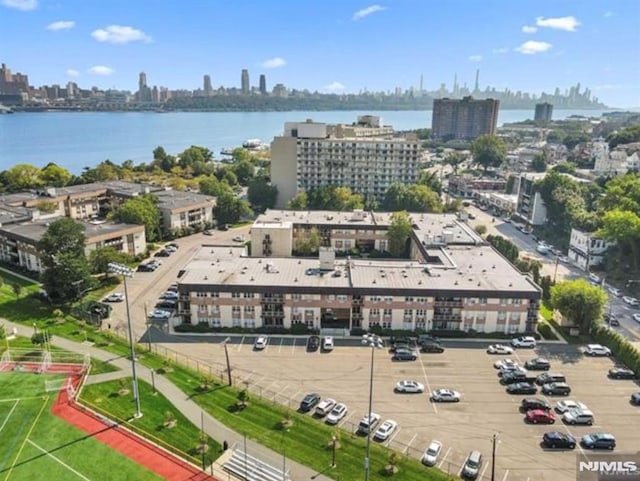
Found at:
<point>296,297</point>
<point>386,325</point>
<point>341,298</point>
<point>249,309</point>
<point>517,301</point>
<point>483,300</point>
<point>215,294</point>
<point>201,294</point>
<point>386,312</point>
<point>388,299</point>
<point>422,300</point>
<point>236,322</point>
<point>374,299</point>
<point>235,311</point>
<point>374,311</point>
<point>408,299</point>
<point>408,312</point>
<point>502,316</point>
<point>248,295</point>
<point>235,295</point>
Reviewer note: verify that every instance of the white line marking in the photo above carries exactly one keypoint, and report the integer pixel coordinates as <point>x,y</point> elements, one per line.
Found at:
<point>344,419</point>
<point>392,437</point>
<point>484,470</point>
<point>80,475</point>
<point>426,381</point>
<point>9,415</point>
<point>293,345</point>
<point>281,341</point>
<point>444,458</point>
<point>404,451</point>
<point>505,475</point>
<point>240,345</point>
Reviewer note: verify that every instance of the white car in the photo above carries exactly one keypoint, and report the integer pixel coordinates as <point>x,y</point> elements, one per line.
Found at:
<point>445,395</point>
<point>337,413</point>
<point>499,349</point>
<point>568,405</point>
<point>564,259</point>
<point>543,249</point>
<point>325,407</point>
<point>636,317</point>
<point>597,350</point>
<point>505,364</point>
<point>160,314</point>
<point>170,295</point>
<point>430,456</point>
<point>632,301</point>
<point>615,292</point>
<point>385,430</point>
<point>260,343</point>
<point>594,279</point>
<point>409,387</point>
<point>115,297</point>
<point>523,341</point>
<point>327,343</point>
<point>238,238</point>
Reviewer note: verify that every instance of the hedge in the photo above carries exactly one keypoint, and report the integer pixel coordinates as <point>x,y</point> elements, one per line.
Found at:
<point>621,348</point>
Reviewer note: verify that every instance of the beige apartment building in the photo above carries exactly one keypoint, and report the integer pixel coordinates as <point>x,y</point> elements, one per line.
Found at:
<point>452,280</point>
<point>365,157</point>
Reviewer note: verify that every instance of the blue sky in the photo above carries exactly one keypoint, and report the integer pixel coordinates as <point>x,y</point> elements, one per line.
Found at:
<point>329,45</point>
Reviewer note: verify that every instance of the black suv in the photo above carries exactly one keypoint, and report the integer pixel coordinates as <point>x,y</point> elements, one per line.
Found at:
<point>557,440</point>
<point>513,377</point>
<point>621,372</point>
<point>309,401</point>
<point>313,343</point>
<point>431,347</point>
<point>531,403</point>
<point>560,388</point>
<point>404,355</point>
<point>537,364</point>
<point>547,378</point>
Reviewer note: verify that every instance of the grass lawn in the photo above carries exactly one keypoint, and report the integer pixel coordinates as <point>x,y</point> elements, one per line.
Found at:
<point>181,439</point>
<point>546,311</point>
<point>35,442</point>
<point>306,441</point>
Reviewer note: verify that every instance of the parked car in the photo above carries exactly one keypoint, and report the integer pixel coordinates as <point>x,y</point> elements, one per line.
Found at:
<point>611,319</point>
<point>167,304</point>
<point>558,440</point>
<point>404,355</point>
<point>261,343</point>
<point>635,399</point>
<point>162,253</point>
<point>568,404</point>
<point>597,350</point>
<point>636,317</point>
<point>621,372</point>
<point>367,423</point>
<point>173,245</point>
<point>522,388</point>
<point>616,292</point>
<point>564,259</point>
<point>169,295</point>
<point>538,364</point>
<point>309,402</point>
<point>539,416</point>
<point>428,338</point>
<point>238,238</point>
<point>313,343</point>
<point>557,388</point>
<point>578,416</point>
<point>543,249</point>
<point>599,441</point>
<point>445,395</point>
<point>549,377</point>
<point>472,465</point>
<point>207,232</point>
<point>327,343</point>
<point>594,279</point>
<point>159,314</point>
<point>516,376</point>
<point>430,456</point>
<point>510,369</point>
<point>385,430</point>
<point>114,297</point>
<point>532,403</point>
<point>148,267</point>
<point>632,301</point>
<point>499,349</point>
<point>432,347</point>
<point>223,227</point>
<point>409,387</point>
<point>506,364</point>
<point>325,407</point>
<point>524,341</point>
<point>172,288</point>
<point>338,412</point>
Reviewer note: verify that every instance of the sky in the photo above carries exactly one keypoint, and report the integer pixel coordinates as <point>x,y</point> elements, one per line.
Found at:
<point>329,45</point>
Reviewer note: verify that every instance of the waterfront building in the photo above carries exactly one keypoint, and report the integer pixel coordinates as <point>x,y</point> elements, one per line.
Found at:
<point>463,119</point>
<point>543,112</point>
<point>364,156</point>
<point>206,85</point>
<point>245,86</point>
<point>263,84</point>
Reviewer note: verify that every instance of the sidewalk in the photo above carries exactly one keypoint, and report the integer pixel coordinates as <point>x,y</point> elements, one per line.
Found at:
<point>189,408</point>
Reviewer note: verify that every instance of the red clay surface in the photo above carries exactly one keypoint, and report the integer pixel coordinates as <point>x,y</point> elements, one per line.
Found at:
<point>134,447</point>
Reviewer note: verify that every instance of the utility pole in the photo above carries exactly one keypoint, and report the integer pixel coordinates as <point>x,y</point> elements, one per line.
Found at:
<point>226,354</point>
<point>493,459</point>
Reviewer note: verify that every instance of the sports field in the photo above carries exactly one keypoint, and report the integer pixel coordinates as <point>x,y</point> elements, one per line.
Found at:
<point>35,444</point>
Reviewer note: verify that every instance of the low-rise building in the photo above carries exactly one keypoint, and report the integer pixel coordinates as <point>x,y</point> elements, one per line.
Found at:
<point>468,186</point>
<point>530,206</point>
<point>180,209</point>
<point>586,249</point>
<point>616,162</point>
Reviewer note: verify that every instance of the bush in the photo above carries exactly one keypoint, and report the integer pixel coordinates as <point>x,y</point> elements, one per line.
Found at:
<point>621,348</point>
<point>545,331</point>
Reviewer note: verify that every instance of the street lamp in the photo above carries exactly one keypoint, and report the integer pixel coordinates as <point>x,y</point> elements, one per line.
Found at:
<point>374,342</point>
<point>125,272</point>
<point>226,354</point>
<point>334,439</point>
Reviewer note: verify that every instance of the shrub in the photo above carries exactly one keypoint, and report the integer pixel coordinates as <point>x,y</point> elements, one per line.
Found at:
<point>621,348</point>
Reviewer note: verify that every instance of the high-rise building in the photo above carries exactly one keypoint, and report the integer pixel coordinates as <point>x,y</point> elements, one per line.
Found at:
<point>365,157</point>
<point>463,119</point>
<point>544,112</point>
<point>207,85</point>
<point>144,92</point>
<point>263,84</point>
<point>12,83</point>
<point>142,80</point>
<point>244,81</point>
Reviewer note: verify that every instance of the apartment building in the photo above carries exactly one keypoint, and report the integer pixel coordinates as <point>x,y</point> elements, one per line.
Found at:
<point>586,249</point>
<point>530,206</point>
<point>365,157</point>
<point>452,279</point>
<point>463,119</point>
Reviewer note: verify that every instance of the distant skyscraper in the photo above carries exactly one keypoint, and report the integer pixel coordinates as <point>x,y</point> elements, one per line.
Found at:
<point>544,112</point>
<point>142,81</point>
<point>463,119</point>
<point>207,84</point>
<point>244,81</point>
<point>144,92</point>
<point>477,85</point>
<point>263,84</point>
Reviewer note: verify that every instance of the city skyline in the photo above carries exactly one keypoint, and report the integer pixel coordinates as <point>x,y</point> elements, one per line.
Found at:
<point>337,47</point>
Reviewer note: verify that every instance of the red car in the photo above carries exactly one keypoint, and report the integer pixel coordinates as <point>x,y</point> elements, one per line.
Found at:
<point>538,416</point>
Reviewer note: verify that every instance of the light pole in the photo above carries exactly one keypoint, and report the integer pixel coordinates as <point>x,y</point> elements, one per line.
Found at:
<point>373,342</point>
<point>284,455</point>
<point>226,354</point>
<point>125,272</point>
<point>333,450</point>
<point>493,459</point>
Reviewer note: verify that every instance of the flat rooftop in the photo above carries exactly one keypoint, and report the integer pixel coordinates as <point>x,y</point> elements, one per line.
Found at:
<point>34,230</point>
<point>176,199</point>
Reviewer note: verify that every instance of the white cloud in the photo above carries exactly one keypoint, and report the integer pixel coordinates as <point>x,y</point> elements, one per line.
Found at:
<point>532,47</point>
<point>608,14</point>
<point>334,87</point>
<point>500,50</point>
<point>61,25</point>
<point>71,72</point>
<point>24,5</point>
<point>570,24</point>
<point>529,29</point>
<point>101,70</point>
<point>475,58</point>
<point>365,12</point>
<point>119,34</point>
<point>274,62</point>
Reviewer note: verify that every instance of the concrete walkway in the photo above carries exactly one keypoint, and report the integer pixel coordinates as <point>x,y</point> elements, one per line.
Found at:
<point>189,408</point>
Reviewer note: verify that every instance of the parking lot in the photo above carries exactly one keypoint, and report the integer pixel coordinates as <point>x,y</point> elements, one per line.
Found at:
<point>285,372</point>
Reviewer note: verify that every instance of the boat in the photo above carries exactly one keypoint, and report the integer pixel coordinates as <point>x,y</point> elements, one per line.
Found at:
<point>226,151</point>
<point>253,144</point>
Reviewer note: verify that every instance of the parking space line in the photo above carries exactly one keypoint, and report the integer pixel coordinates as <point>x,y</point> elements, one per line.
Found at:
<point>392,437</point>
<point>240,345</point>
<point>293,397</point>
<point>345,419</point>
<point>281,341</point>
<point>404,451</point>
<point>506,473</point>
<point>484,470</point>
<point>293,346</point>
<point>426,381</point>
<point>444,458</point>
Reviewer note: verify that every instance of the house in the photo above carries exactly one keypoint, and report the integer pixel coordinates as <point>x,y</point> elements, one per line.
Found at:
<point>586,249</point>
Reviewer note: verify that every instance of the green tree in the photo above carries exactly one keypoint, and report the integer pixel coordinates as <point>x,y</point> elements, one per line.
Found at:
<point>308,243</point>
<point>17,289</point>
<point>564,168</point>
<point>229,209</point>
<point>100,259</point>
<point>454,159</point>
<point>141,210</point>
<point>261,194</point>
<point>623,227</point>
<point>539,162</point>
<point>625,136</point>
<point>240,154</point>
<point>67,279</point>
<point>331,197</point>
<point>22,177</point>
<point>193,155</point>
<point>431,180</point>
<point>504,247</point>
<point>489,151</point>
<point>572,139</point>
<point>580,302</point>
<point>398,234</point>
<point>623,193</point>
<point>63,236</point>
<point>244,171</point>
<point>298,202</point>
<point>481,229</point>
<point>38,339</point>
<point>55,175</point>
<point>412,198</point>
<point>210,185</point>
